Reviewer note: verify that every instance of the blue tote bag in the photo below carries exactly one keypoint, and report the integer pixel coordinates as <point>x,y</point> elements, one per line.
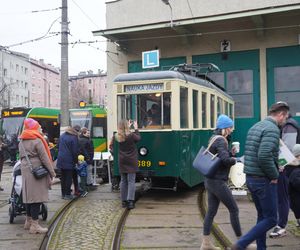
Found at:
<point>206,162</point>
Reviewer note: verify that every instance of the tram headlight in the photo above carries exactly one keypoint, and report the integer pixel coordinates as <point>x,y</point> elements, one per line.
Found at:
<point>143,151</point>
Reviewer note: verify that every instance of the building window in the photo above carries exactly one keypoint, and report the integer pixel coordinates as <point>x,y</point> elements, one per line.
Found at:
<point>240,87</point>
<point>287,87</point>
<point>26,85</point>
<point>17,67</point>
<point>5,72</point>
<point>25,71</point>
<point>90,81</point>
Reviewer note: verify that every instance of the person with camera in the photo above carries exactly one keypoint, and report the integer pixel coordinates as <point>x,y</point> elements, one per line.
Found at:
<point>128,159</point>
<point>34,152</point>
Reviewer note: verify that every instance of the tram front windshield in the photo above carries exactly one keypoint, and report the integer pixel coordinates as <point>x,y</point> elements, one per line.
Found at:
<point>151,111</point>
<point>83,118</point>
<point>12,126</point>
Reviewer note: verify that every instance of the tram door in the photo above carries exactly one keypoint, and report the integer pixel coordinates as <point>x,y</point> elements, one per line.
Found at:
<point>283,76</point>
<point>239,75</point>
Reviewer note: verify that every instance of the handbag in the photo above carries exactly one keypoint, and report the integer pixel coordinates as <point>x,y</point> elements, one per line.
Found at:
<point>206,162</point>
<point>38,172</point>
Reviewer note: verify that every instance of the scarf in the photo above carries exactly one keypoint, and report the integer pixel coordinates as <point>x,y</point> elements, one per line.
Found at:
<point>30,134</point>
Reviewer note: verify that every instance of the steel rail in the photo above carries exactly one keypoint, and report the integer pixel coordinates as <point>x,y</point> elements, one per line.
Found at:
<point>53,224</point>
<point>217,233</point>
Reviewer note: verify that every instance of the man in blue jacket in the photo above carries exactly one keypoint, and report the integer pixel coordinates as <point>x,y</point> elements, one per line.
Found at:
<point>68,150</point>
<point>261,169</point>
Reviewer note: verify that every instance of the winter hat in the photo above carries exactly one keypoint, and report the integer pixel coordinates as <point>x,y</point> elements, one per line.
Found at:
<point>80,158</point>
<point>30,123</point>
<point>296,150</point>
<point>224,122</point>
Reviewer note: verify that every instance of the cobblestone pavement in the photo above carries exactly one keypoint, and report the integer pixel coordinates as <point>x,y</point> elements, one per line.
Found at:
<point>89,223</point>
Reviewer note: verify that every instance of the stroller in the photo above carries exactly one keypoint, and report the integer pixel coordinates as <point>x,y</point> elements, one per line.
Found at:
<point>17,207</point>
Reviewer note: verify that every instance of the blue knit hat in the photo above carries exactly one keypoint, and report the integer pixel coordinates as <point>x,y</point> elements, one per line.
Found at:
<point>224,122</point>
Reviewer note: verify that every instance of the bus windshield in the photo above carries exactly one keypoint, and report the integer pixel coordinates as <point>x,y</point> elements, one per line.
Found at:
<point>12,126</point>
<point>83,118</point>
<point>151,111</point>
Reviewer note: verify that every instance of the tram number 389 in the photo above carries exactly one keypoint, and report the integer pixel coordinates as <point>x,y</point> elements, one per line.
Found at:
<point>144,164</point>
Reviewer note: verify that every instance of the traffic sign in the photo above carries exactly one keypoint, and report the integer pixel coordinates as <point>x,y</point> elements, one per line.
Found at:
<point>150,59</point>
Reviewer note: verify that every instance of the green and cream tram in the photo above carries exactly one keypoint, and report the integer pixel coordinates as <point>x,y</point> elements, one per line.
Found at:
<point>186,105</point>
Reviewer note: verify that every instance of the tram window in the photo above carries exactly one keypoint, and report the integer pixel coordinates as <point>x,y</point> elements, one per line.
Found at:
<point>240,87</point>
<point>204,110</point>
<point>287,87</point>
<point>230,110</point>
<point>212,111</point>
<point>219,106</point>
<point>195,109</point>
<point>152,111</point>
<point>226,108</point>
<point>99,127</point>
<point>183,107</point>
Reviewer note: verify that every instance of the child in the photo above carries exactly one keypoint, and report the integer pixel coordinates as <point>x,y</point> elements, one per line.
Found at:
<point>293,173</point>
<point>82,172</point>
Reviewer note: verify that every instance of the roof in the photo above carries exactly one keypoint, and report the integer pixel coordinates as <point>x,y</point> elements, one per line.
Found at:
<point>156,75</point>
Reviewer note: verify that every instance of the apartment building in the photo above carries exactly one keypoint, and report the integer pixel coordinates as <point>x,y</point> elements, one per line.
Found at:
<point>89,87</point>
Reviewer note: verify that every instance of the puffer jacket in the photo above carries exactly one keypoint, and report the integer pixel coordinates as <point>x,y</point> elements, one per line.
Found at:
<point>220,147</point>
<point>261,149</point>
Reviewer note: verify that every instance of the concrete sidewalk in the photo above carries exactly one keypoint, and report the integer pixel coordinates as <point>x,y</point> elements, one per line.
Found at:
<point>248,218</point>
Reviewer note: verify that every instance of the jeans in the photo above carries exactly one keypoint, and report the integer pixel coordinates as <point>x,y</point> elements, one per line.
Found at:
<point>217,190</point>
<point>127,186</point>
<point>264,195</point>
<point>283,200</point>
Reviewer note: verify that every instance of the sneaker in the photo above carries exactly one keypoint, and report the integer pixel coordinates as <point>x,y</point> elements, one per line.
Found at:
<point>84,194</point>
<point>69,197</point>
<point>298,222</point>
<point>278,232</point>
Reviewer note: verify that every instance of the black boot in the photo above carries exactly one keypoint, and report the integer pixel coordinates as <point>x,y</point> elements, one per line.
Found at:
<point>130,204</point>
<point>124,204</point>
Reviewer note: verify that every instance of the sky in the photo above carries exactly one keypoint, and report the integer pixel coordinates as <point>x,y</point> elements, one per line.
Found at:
<point>25,20</point>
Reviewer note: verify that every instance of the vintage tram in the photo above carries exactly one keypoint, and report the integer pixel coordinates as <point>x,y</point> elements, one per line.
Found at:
<point>176,111</point>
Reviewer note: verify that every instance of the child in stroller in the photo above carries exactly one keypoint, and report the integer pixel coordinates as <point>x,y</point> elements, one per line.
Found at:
<point>17,207</point>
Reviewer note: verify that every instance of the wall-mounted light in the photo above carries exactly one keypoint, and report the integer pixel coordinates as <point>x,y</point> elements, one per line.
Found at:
<point>167,2</point>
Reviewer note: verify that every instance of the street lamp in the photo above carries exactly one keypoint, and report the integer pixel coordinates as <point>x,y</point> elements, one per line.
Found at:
<point>167,2</point>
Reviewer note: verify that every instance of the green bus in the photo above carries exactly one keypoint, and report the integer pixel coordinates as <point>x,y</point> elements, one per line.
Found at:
<point>13,119</point>
<point>94,118</point>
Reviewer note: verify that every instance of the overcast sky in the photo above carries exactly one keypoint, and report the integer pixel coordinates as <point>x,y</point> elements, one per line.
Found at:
<point>18,24</point>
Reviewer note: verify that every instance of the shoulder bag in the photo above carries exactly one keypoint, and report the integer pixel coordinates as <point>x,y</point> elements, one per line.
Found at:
<point>206,162</point>
<point>38,172</point>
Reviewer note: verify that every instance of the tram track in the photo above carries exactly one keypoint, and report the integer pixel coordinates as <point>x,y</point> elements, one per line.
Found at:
<point>54,223</point>
<point>223,241</point>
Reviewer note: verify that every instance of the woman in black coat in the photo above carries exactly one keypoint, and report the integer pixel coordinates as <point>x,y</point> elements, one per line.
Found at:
<point>293,173</point>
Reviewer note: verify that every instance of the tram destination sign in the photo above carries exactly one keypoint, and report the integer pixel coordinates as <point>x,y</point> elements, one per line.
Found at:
<point>144,87</point>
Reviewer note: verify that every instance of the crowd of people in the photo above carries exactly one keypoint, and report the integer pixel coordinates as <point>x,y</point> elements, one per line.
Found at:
<point>274,188</point>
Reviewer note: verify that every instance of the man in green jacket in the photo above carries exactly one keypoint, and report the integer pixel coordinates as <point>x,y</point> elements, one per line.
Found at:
<point>261,169</point>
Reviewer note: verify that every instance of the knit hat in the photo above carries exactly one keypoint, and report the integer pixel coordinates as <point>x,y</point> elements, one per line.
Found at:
<point>80,158</point>
<point>224,122</point>
<point>296,150</point>
<point>30,123</point>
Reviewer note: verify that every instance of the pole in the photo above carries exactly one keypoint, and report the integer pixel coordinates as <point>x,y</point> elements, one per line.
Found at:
<point>64,88</point>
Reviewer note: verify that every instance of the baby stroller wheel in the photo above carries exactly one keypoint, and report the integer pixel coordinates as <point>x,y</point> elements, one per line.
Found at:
<point>44,211</point>
<point>11,212</point>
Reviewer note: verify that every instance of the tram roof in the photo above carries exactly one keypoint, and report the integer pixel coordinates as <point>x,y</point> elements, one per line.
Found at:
<point>168,74</point>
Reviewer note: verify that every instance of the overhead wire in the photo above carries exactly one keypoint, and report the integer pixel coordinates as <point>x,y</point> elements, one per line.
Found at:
<point>38,38</point>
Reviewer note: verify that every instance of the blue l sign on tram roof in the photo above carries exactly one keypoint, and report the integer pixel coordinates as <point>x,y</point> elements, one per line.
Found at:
<point>150,59</point>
